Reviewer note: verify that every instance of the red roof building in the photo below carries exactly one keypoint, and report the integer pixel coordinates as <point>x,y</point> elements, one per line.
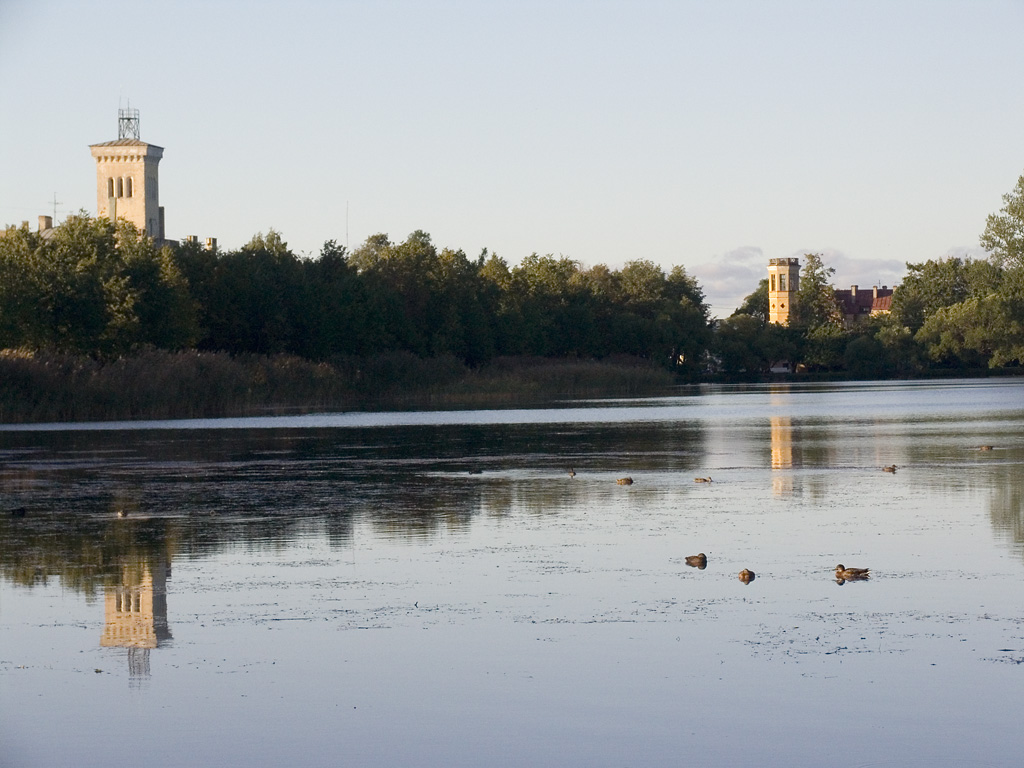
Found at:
<point>857,305</point>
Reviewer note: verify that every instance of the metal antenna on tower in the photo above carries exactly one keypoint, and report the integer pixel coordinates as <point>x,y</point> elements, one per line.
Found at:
<point>128,123</point>
<point>55,204</point>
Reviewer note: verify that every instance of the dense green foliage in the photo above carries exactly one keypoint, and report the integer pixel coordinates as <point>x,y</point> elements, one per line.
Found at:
<point>1004,231</point>
<point>93,288</point>
<point>103,292</point>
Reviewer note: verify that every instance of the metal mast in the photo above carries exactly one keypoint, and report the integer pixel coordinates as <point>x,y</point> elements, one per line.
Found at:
<point>128,123</point>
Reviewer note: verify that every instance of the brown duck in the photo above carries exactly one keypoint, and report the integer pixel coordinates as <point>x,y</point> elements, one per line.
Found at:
<point>746,576</point>
<point>851,574</point>
<point>702,479</point>
<point>625,481</point>
<point>697,561</point>
<point>891,468</point>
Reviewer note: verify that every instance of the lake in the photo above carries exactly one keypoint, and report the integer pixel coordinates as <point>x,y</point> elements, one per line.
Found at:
<point>435,589</point>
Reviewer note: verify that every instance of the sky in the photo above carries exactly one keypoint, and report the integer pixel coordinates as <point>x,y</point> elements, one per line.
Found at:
<point>712,135</point>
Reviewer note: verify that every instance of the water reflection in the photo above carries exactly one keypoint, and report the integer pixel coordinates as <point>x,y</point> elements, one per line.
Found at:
<point>198,491</point>
<point>1006,502</point>
<point>460,563</point>
<point>136,613</point>
<point>782,455</point>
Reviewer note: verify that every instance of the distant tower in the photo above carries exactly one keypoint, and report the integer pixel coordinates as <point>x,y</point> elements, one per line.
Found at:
<point>783,282</point>
<point>126,177</point>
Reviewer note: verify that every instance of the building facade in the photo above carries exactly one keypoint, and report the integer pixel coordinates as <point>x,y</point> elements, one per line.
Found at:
<point>783,283</point>
<point>128,185</point>
<point>855,304</point>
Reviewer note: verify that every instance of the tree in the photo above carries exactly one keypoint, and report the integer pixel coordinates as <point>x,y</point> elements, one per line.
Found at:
<point>21,318</point>
<point>1004,231</point>
<point>972,312</point>
<point>756,304</point>
<point>642,283</point>
<point>980,330</point>
<point>166,311</point>
<point>684,289</point>
<point>93,287</point>
<point>816,307</point>
<point>737,345</point>
<point>904,354</point>
<point>338,318</point>
<point>864,357</point>
<point>256,300</point>
<point>744,343</point>
<point>432,303</point>
<point>552,297</point>
<point>463,328</point>
<point>823,348</point>
<point>494,281</point>
<point>937,283</point>
<point>690,317</point>
<point>271,243</point>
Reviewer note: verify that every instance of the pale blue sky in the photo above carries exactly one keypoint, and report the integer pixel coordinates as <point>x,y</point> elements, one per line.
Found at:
<point>712,135</point>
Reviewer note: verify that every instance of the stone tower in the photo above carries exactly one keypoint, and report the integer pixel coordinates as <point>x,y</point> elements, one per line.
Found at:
<point>783,282</point>
<point>127,185</point>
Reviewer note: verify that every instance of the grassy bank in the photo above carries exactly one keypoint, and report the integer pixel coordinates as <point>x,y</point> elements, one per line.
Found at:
<point>49,387</point>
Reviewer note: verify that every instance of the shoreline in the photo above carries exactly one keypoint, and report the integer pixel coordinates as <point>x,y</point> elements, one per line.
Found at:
<point>158,385</point>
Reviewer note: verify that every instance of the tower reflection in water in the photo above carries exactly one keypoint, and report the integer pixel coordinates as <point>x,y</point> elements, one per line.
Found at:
<point>136,613</point>
<point>782,455</point>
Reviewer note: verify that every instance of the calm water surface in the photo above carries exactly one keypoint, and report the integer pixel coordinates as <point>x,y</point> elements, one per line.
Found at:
<point>433,589</point>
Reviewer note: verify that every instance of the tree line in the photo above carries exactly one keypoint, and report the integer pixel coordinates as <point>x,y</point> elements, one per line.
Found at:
<point>948,314</point>
<point>98,288</point>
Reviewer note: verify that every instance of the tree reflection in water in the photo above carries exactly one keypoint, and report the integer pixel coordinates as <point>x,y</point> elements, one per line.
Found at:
<point>490,580</point>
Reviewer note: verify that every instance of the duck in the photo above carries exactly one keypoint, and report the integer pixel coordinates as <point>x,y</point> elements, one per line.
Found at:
<point>625,481</point>
<point>697,561</point>
<point>572,472</point>
<point>984,447</point>
<point>851,574</point>
<point>747,576</point>
<point>702,479</point>
<point>891,468</point>
<point>19,512</point>
<point>122,512</point>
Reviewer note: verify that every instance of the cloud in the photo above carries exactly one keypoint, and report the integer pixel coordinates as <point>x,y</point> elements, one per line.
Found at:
<point>976,253</point>
<point>731,277</point>
<point>863,273</point>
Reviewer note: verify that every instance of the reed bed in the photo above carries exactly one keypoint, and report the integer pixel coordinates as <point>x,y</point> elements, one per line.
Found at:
<point>155,384</point>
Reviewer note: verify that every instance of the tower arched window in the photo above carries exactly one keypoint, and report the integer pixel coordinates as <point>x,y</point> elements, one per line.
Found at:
<point>782,282</point>
<point>128,187</point>
<point>110,187</point>
<point>120,187</point>
<point>773,282</point>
